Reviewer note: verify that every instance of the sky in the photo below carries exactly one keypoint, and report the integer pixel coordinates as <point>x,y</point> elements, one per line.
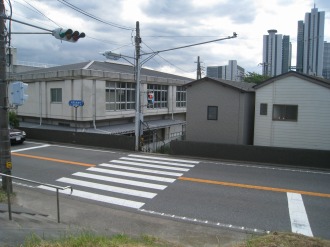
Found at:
<point>164,24</point>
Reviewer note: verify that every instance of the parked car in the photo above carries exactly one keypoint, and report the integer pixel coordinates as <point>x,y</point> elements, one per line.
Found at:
<point>16,136</point>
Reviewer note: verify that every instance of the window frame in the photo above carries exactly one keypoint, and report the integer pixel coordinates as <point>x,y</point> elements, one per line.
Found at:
<point>212,116</point>
<point>120,96</point>
<point>181,97</point>
<point>160,96</point>
<point>263,111</point>
<point>56,95</point>
<point>283,112</point>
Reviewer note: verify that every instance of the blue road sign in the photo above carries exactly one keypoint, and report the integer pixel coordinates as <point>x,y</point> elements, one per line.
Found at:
<point>76,103</point>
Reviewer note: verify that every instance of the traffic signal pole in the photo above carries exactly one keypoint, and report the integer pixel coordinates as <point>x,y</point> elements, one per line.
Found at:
<point>5,153</point>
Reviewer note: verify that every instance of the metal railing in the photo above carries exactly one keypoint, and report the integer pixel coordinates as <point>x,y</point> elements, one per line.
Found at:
<point>8,177</point>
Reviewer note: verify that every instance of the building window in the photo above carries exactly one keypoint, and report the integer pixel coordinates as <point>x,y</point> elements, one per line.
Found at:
<point>181,97</point>
<point>263,109</point>
<point>212,113</point>
<point>56,95</point>
<point>119,96</point>
<point>285,112</point>
<point>160,95</point>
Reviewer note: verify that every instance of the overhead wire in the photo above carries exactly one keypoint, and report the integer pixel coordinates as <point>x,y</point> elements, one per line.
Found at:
<point>33,8</point>
<point>93,16</point>
<point>167,60</point>
<point>41,13</point>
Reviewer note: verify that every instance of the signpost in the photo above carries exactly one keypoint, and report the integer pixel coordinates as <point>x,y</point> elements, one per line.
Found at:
<point>76,104</point>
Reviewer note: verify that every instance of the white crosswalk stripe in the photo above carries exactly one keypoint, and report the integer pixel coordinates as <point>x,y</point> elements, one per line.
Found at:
<point>142,170</point>
<point>161,158</point>
<point>126,181</point>
<point>130,174</point>
<point>159,162</point>
<point>149,165</point>
<point>121,181</point>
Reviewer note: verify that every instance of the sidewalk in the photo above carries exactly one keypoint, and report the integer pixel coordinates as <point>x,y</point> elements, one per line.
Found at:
<point>77,215</point>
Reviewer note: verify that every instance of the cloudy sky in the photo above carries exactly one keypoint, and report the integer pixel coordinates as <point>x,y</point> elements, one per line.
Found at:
<point>164,24</point>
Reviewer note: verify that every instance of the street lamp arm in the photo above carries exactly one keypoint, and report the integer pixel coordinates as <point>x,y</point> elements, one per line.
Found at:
<point>27,24</point>
<point>186,46</point>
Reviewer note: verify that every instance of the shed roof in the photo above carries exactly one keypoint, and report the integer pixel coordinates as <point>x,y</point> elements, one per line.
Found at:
<point>242,86</point>
<point>313,79</point>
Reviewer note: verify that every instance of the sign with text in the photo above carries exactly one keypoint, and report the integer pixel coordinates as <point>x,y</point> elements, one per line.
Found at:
<point>76,103</point>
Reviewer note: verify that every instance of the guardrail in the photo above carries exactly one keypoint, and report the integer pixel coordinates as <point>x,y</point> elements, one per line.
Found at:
<point>8,177</point>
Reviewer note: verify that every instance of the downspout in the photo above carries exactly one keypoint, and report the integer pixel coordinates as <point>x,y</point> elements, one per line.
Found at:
<point>40,104</point>
<point>94,109</point>
<point>172,102</point>
<point>94,102</point>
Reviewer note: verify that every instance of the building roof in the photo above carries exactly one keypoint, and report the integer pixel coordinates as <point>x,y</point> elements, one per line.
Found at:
<point>313,79</point>
<point>107,67</point>
<point>242,86</point>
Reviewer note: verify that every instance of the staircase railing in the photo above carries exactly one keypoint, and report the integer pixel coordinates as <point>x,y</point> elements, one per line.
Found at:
<point>9,177</point>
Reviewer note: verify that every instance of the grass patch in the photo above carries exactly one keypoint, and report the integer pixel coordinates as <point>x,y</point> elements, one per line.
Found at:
<point>3,195</point>
<point>285,240</point>
<point>92,240</point>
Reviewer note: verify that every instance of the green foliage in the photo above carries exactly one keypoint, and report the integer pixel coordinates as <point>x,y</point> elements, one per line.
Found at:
<point>256,78</point>
<point>3,195</point>
<point>13,119</point>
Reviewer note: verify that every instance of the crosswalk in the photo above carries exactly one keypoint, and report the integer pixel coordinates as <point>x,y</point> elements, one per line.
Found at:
<point>130,181</point>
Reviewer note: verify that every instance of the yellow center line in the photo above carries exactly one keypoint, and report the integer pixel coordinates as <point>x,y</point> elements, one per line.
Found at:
<point>255,187</point>
<point>53,160</point>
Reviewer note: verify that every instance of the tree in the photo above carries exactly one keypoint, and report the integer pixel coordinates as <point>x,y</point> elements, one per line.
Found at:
<point>253,77</point>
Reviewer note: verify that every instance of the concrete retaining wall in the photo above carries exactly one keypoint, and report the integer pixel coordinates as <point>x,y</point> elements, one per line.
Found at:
<point>81,138</point>
<point>260,154</point>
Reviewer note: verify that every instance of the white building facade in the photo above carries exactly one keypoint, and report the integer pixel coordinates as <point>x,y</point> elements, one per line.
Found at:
<point>292,110</point>
<point>230,72</point>
<point>108,93</point>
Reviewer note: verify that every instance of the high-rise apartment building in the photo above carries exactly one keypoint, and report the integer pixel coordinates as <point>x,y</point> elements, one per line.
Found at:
<point>326,61</point>
<point>286,53</point>
<point>310,57</point>
<point>276,53</point>
<point>300,47</point>
<point>231,72</point>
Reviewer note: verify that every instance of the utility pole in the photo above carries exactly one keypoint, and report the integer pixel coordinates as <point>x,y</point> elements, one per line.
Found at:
<point>5,153</point>
<point>138,116</point>
<point>199,69</point>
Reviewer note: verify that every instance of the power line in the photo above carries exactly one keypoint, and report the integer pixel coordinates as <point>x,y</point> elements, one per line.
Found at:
<point>168,61</point>
<point>38,11</point>
<point>93,16</point>
<point>179,36</point>
<point>33,8</point>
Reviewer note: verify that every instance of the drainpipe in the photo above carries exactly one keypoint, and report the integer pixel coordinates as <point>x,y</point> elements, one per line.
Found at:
<point>172,102</point>
<point>94,101</point>
<point>40,103</point>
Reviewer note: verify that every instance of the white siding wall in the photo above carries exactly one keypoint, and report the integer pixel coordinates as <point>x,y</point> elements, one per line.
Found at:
<point>92,92</point>
<point>311,131</point>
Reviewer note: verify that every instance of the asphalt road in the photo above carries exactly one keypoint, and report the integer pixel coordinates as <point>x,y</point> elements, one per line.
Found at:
<point>247,197</point>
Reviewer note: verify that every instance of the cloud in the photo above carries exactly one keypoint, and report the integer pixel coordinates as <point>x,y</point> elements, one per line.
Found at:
<point>163,24</point>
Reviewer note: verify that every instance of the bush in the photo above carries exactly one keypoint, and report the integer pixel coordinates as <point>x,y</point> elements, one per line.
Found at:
<point>13,119</point>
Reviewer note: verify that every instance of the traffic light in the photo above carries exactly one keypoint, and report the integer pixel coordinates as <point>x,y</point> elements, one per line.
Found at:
<point>67,34</point>
<point>151,98</point>
<point>17,93</point>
